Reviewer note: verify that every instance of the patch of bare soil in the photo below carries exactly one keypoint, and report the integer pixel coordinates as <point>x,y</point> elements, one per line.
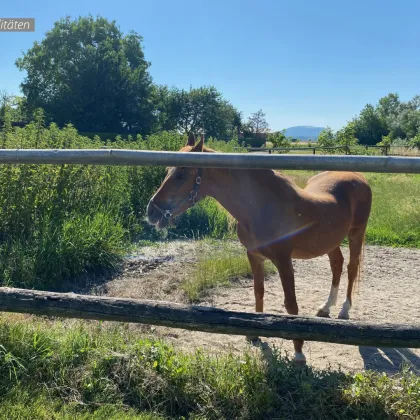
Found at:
<point>389,292</point>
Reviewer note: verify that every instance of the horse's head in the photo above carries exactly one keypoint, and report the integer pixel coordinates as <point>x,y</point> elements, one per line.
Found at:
<point>179,190</point>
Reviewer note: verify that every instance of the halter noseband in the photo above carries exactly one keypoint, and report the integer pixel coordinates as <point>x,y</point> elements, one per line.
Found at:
<point>167,214</point>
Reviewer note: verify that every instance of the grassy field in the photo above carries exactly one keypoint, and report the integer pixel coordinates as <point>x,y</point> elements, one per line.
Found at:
<point>81,370</point>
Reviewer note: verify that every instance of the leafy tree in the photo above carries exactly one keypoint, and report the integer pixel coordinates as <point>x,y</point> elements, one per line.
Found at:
<point>347,135</point>
<point>389,106</point>
<point>408,122</point>
<point>195,110</point>
<point>13,106</point>
<point>386,141</point>
<point>279,139</point>
<point>370,127</point>
<point>326,138</point>
<point>5,99</point>
<point>168,105</point>
<point>257,123</point>
<point>402,118</point>
<point>415,141</point>
<point>86,72</point>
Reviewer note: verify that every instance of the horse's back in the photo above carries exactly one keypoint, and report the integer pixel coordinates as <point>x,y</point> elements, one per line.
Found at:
<point>348,188</point>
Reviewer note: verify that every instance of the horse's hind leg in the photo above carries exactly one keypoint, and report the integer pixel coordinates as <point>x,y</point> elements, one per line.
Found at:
<point>356,241</point>
<point>336,263</point>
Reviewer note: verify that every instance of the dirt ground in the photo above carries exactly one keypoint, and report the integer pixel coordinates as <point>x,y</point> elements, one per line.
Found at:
<point>389,292</point>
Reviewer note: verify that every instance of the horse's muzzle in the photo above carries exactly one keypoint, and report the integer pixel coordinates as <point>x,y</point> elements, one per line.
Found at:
<point>155,218</point>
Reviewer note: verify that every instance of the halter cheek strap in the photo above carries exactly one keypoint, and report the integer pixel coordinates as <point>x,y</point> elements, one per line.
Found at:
<point>168,213</point>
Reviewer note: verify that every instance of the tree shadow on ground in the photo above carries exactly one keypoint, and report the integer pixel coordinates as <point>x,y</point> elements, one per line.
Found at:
<point>388,359</point>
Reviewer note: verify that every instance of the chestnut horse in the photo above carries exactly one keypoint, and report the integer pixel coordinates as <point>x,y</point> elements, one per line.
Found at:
<point>277,220</point>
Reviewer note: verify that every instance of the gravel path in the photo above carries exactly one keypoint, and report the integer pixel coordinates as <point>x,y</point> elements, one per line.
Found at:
<point>389,291</point>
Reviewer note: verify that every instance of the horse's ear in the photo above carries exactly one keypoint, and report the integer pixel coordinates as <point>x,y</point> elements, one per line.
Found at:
<point>191,139</point>
<point>199,146</point>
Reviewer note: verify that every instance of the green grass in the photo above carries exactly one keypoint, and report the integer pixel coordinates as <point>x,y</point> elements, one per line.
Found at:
<point>24,404</point>
<point>395,217</point>
<point>75,369</point>
<point>218,269</point>
<point>214,272</point>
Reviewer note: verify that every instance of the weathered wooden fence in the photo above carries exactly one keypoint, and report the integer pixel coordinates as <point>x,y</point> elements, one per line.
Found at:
<point>347,150</point>
<point>208,319</point>
<point>198,317</point>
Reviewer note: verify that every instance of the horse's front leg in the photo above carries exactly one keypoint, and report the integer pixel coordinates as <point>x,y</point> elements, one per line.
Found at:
<point>285,267</point>
<point>257,267</point>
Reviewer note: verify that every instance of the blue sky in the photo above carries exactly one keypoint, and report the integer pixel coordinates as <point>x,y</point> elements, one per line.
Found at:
<point>301,62</point>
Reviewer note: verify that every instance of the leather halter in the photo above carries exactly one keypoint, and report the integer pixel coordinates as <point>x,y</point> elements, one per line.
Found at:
<point>168,213</point>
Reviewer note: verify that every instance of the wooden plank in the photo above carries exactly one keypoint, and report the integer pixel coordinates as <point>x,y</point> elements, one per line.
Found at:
<point>208,319</point>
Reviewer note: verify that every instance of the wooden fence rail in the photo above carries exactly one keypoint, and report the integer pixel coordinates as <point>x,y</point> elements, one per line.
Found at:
<point>347,150</point>
<point>208,319</point>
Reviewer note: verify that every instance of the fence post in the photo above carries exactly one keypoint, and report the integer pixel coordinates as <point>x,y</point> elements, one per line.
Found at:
<point>269,151</point>
<point>313,151</point>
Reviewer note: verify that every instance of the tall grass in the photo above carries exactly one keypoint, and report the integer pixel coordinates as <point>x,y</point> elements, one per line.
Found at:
<point>60,220</point>
<point>94,370</point>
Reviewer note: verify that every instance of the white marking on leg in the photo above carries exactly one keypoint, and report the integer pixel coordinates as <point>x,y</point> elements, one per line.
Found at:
<point>331,301</point>
<point>344,313</point>
<point>300,357</point>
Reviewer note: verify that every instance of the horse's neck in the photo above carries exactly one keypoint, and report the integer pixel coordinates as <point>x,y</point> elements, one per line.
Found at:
<point>245,194</point>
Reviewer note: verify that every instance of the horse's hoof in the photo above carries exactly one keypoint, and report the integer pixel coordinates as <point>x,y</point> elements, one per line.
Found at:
<point>343,315</point>
<point>299,361</point>
<point>323,314</point>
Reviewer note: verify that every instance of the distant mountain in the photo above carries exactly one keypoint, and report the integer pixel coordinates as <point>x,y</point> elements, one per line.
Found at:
<point>304,132</point>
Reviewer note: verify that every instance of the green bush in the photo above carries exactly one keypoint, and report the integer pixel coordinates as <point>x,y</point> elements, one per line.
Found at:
<point>254,141</point>
<point>60,220</point>
<point>104,136</point>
